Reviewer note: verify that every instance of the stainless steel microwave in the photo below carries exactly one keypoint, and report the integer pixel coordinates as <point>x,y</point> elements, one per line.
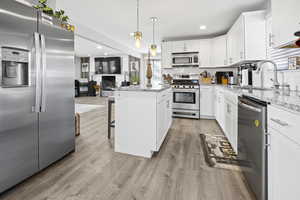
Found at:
<point>185,59</point>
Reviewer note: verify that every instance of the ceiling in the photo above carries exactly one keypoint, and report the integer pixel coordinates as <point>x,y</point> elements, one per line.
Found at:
<point>178,19</point>
<point>85,47</point>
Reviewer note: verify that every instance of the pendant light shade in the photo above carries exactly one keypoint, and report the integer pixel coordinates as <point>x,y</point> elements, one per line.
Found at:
<point>138,39</point>
<point>153,50</point>
<point>138,35</point>
<point>153,47</point>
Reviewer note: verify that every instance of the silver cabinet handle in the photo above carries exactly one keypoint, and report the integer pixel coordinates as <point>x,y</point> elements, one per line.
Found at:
<point>241,55</point>
<point>281,123</point>
<point>37,63</point>
<point>270,40</point>
<point>44,74</point>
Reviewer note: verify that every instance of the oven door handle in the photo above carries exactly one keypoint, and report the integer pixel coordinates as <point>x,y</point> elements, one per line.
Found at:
<point>248,107</point>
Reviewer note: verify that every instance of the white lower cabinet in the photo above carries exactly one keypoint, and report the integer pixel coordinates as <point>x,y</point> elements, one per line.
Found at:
<point>164,117</point>
<point>220,114</point>
<point>207,106</point>
<point>143,119</point>
<point>283,154</point>
<point>222,105</point>
<point>231,119</point>
<point>283,167</point>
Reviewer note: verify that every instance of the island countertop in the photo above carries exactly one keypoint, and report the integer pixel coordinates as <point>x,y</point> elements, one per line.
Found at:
<point>141,88</point>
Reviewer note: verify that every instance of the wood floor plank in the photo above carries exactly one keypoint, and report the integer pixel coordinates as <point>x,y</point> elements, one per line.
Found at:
<point>96,172</point>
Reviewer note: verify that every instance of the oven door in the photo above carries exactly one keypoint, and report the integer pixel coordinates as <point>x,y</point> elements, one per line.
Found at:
<point>180,60</point>
<point>186,99</point>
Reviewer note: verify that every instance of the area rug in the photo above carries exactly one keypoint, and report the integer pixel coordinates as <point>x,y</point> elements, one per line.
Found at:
<point>219,153</point>
<point>83,108</point>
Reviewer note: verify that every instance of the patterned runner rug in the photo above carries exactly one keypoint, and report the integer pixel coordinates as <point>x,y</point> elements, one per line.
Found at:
<point>219,153</point>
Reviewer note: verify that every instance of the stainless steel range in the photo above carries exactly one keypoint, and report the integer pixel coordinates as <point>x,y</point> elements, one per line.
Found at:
<point>186,98</point>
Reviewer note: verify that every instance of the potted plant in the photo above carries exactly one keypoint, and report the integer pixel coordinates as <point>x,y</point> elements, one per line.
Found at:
<point>59,14</point>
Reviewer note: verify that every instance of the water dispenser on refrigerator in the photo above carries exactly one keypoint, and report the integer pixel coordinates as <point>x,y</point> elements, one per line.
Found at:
<point>15,67</point>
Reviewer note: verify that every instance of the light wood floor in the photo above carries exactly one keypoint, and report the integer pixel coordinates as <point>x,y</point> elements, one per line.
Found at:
<point>95,172</point>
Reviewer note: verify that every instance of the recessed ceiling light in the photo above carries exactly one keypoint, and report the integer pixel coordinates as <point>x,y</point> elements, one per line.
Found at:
<point>99,47</point>
<point>203,27</point>
<point>105,54</point>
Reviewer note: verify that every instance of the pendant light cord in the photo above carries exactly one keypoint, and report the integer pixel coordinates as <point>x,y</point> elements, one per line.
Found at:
<point>153,31</point>
<point>138,15</point>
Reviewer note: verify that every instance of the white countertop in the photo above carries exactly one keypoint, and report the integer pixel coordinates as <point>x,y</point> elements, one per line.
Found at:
<point>286,100</point>
<point>139,88</point>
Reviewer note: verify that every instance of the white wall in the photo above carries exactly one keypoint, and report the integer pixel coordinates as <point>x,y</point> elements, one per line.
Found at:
<point>77,68</point>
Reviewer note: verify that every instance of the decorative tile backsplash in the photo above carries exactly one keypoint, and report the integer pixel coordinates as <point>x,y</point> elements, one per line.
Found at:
<point>281,57</point>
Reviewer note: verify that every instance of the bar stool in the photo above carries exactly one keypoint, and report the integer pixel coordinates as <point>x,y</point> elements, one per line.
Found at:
<point>110,123</point>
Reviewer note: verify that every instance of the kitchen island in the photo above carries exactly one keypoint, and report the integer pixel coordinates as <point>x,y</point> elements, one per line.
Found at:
<point>143,118</point>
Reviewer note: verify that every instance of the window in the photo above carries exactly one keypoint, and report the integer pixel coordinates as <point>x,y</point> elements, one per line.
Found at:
<point>156,68</point>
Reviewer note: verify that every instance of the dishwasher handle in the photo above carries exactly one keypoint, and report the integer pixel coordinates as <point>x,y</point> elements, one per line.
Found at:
<point>248,107</point>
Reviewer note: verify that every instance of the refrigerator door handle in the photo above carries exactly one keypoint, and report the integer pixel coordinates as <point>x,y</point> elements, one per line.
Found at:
<point>37,47</point>
<point>44,73</point>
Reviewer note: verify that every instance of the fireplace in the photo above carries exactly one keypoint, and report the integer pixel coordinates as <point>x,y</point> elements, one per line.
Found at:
<point>108,83</point>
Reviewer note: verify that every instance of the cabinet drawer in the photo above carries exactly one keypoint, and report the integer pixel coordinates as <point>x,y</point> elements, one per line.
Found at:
<point>164,95</point>
<point>231,97</point>
<point>285,122</point>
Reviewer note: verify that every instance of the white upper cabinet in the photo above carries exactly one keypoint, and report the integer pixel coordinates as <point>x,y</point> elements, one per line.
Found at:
<point>285,20</point>
<point>178,46</point>
<point>192,45</point>
<point>236,43</point>
<point>204,53</point>
<point>201,46</point>
<point>185,46</point>
<point>166,54</point>
<point>246,40</point>
<point>219,51</point>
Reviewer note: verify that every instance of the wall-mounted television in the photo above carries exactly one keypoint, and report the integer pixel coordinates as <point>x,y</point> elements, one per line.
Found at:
<point>108,65</point>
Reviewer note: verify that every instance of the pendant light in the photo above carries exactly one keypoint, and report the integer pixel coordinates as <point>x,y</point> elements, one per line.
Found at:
<point>138,34</point>
<point>153,47</point>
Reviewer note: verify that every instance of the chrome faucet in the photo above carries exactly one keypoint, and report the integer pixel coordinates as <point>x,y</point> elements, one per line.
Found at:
<point>275,80</point>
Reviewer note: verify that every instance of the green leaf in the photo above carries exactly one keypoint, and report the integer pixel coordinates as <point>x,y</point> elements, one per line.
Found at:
<point>42,1</point>
<point>65,18</point>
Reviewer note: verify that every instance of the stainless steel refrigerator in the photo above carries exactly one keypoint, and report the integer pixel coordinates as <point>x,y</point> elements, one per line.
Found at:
<point>36,92</point>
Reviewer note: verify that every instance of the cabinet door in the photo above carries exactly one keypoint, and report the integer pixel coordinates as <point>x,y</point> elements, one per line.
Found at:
<point>178,46</point>
<point>239,37</point>
<point>234,127</point>
<point>166,51</point>
<point>192,45</point>
<point>160,123</point>
<point>219,51</point>
<point>283,167</point>
<point>207,101</point>
<point>269,36</point>
<point>230,46</point>
<point>220,110</point>
<point>204,54</point>
<point>236,41</point>
<point>169,110</point>
<point>228,121</point>
<point>285,20</point>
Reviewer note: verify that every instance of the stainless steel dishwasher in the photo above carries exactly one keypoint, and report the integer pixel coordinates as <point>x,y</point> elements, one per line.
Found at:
<point>253,143</point>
